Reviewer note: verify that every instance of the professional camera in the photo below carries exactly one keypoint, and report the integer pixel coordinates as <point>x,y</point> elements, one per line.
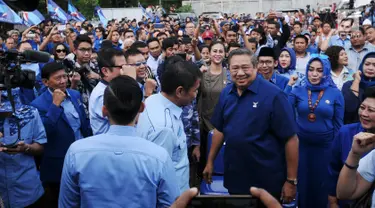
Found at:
<point>11,74</point>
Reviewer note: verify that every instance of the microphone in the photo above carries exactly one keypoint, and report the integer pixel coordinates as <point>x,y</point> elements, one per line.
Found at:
<point>36,56</point>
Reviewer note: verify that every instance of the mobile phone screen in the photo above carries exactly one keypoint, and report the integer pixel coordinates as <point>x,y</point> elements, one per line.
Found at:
<point>61,27</point>
<point>240,201</point>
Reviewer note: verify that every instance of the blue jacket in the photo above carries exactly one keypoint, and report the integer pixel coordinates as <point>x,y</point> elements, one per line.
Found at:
<point>59,133</point>
<point>352,102</point>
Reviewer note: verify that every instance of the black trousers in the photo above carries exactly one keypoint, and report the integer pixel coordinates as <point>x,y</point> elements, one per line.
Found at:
<point>51,195</point>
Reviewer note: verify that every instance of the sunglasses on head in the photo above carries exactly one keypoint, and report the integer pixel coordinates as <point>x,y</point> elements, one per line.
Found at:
<point>60,50</point>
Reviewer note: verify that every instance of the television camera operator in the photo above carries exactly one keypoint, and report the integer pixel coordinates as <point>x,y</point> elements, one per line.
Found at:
<point>22,135</point>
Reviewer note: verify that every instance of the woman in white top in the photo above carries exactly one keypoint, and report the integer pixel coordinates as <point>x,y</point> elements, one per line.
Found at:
<point>339,60</point>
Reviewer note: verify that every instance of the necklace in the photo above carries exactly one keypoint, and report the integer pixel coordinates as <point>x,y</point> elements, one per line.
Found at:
<point>312,117</point>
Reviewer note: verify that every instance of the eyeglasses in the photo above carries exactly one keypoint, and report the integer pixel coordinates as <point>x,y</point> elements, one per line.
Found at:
<point>355,36</point>
<point>60,50</point>
<point>84,50</point>
<point>268,63</point>
<point>138,64</point>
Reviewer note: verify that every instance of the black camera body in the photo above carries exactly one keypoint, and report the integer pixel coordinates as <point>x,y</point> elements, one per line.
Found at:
<point>11,74</point>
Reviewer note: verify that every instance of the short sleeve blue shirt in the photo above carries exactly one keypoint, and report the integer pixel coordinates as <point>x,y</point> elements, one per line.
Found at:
<point>20,185</point>
<point>256,127</point>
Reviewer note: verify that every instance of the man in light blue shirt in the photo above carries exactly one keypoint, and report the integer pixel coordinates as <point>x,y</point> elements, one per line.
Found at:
<point>19,181</point>
<point>118,169</point>
<point>357,49</point>
<point>161,122</point>
<point>110,62</point>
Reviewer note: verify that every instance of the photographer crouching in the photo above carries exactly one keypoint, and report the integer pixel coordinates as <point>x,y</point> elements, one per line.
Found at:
<point>83,73</point>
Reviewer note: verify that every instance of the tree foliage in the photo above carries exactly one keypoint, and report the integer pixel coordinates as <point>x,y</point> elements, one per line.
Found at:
<point>86,7</point>
<point>185,8</point>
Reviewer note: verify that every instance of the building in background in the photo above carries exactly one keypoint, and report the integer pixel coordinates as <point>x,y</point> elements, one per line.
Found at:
<point>252,6</point>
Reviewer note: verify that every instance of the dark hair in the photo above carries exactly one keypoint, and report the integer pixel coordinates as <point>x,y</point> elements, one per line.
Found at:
<point>169,43</point>
<point>201,47</point>
<point>253,40</point>
<point>160,34</point>
<point>215,43</point>
<point>89,33</point>
<point>138,44</point>
<point>233,45</point>
<point>301,36</point>
<point>123,98</point>
<point>262,34</point>
<point>106,58</point>
<point>348,19</point>
<point>131,52</point>
<point>177,73</point>
<point>152,40</point>
<point>298,23</point>
<point>82,39</point>
<point>369,93</point>
<point>326,23</point>
<point>333,52</point>
<point>22,42</point>
<point>57,45</point>
<point>128,31</point>
<point>51,68</point>
<point>273,22</point>
<point>101,29</point>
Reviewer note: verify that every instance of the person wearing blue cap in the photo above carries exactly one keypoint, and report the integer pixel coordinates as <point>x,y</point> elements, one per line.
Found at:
<point>319,107</point>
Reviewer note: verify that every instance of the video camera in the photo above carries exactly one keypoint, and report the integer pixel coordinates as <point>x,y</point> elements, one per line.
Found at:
<point>11,74</point>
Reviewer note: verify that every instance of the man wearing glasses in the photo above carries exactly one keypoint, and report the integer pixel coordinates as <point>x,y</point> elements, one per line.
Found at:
<point>144,76</point>
<point>112,63</point>
<point>358,48</point>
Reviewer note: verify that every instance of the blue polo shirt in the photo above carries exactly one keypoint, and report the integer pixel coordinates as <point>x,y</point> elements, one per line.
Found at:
<point>256,127</point>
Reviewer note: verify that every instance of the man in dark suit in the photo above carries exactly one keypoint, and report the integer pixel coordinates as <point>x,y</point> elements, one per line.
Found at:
<point>65,121</point>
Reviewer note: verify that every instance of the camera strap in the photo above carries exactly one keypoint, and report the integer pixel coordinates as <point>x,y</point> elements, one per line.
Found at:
<point>12,103</point>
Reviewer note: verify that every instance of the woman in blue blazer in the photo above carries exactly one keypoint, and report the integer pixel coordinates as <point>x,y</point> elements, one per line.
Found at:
<point>319,108</point>
<point>353,90</point>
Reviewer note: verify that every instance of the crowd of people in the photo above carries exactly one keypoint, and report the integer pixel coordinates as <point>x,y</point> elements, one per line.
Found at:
<point>121,115</point>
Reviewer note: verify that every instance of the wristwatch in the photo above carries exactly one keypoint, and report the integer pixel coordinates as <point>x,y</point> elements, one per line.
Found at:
<point>294,182</point>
